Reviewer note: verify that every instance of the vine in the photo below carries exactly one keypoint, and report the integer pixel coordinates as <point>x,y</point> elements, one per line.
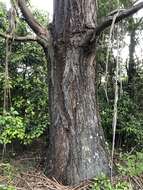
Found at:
<point>11,15</point>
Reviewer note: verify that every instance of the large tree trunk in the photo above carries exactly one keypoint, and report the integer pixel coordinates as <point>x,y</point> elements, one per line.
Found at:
<point>76,141</point>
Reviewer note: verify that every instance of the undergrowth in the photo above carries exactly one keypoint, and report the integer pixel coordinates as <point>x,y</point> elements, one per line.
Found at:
<point>129,167</point>
<point>7,174</point>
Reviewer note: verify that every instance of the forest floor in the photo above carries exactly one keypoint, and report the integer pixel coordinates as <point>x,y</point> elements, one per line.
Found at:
<point>23,169</point>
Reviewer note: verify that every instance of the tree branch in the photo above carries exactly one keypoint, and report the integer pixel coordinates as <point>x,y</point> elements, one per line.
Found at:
<point>122,15</point>
<point>32,22</point>
<point>28,38</point>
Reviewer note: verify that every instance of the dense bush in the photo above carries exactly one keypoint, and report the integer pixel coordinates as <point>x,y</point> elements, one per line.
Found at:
<point>129,123</point>
<point>27,116</point>
<point>129,165</point>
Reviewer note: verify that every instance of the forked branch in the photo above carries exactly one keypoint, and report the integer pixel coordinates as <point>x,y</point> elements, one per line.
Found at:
<point>42,32</point>
<point>32,22</point>
<point>122,15</point>
<point>28,38</point>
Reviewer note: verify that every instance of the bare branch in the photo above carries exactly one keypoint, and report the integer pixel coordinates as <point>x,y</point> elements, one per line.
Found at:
<point>32,22</point>
<point>28,38</point>
<point>122,15</point>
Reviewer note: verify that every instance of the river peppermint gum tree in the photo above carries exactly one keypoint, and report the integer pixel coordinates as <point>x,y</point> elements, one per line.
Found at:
<point>77,149</point>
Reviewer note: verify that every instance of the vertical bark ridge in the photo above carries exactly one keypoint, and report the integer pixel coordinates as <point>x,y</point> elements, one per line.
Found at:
<point>76,137</point>
<point>73,16</point>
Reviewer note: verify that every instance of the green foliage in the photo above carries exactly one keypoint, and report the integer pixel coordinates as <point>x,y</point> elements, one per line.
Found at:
<point>105,7</point>
<point>11,127</point>
<point>3,187</point>
<point>130,121</point>
<point>3,22</point>
<point>131,165</point>
<point>129,124</point>
<point>30,89</point>
<point>104,183</point>
<point>7,171</point>
<point>28,118</point>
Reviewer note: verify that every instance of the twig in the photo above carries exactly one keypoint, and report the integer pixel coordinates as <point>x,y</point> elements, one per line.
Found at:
<point>28,38</point>
<point>114,122</point>
<point>136,182</point>
<point>25,182</point>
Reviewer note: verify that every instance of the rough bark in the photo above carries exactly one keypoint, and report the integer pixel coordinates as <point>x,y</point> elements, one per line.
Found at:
<point>77,147</point>
<point>76,141</point>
